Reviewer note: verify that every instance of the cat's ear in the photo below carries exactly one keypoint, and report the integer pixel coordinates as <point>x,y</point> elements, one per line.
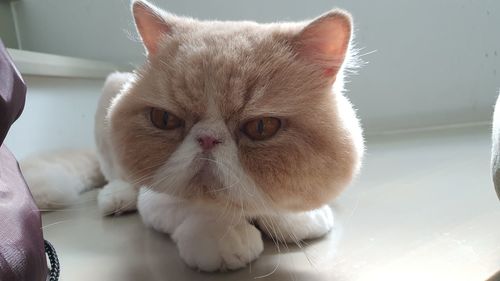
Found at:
<point>325,41</point>
<point>151,24</point>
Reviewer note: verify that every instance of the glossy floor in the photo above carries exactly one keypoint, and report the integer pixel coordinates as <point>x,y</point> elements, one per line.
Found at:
<point>424,208</point>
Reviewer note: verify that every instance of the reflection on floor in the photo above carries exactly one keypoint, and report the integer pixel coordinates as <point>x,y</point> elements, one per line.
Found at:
<point>424,208</point>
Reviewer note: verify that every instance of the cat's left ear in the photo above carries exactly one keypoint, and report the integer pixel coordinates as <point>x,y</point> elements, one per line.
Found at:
<point>151,24</point>
<point>325,41</point>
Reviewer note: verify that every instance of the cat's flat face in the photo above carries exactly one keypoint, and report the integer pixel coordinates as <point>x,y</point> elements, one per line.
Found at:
<point>228,113</point>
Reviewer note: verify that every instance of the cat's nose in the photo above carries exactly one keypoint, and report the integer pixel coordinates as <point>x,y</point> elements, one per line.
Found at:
<point>207,142</point>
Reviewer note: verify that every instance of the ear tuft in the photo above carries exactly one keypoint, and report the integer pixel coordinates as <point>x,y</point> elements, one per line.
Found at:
<point>325,41</point>
<point>150,24</point>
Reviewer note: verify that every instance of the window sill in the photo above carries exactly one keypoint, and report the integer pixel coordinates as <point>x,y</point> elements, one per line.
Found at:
<point>41,64</point>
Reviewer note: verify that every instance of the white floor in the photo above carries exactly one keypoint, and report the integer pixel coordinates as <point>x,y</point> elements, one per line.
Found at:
<point>424,208</point>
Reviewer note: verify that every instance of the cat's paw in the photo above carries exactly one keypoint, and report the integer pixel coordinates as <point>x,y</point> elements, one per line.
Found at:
<point>293,227</point>
<point>216,246</point>
<point>160,211</point>
<point>116,198</point>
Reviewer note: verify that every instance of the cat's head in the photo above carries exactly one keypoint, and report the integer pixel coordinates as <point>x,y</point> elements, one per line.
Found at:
<point>238,113</point>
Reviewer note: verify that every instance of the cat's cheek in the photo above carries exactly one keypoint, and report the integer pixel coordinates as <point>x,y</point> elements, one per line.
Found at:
<point>296,177</point>
<point>140,150</point>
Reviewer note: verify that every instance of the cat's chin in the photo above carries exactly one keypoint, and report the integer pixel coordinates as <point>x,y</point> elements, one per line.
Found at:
<point>206,177</point>
<point>205,187</point>
<point>217,199</point>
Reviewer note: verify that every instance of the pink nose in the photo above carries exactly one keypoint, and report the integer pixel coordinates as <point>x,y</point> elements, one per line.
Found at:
<point>207,142</point>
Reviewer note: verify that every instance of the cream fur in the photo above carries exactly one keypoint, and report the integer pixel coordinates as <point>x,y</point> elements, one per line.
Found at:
<point>55,179</point>
<point>214,76</point>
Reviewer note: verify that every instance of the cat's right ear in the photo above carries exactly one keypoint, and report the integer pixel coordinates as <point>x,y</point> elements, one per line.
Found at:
<point>151,24</point>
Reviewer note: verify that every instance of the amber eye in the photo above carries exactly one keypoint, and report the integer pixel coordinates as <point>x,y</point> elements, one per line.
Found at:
<point>262,128</point>
<point>165,120</point>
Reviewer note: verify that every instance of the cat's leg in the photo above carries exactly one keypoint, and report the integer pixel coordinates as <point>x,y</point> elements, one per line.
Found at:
<point>205,240</point>
<point>56,179</point>
<point>293,227</point>
<point>117,197</point>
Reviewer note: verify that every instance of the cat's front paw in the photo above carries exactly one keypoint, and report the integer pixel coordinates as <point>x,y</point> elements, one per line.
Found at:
<point>117,197</point>
<point>294,227</point>
<point>216,246</point>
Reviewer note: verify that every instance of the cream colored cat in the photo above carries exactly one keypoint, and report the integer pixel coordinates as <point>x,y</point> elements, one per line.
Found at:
<point>228,128</point>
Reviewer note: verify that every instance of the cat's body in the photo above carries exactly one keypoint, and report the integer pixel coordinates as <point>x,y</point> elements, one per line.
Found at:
<point>228,123</point>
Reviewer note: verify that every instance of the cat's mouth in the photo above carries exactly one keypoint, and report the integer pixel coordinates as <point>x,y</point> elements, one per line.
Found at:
<point>205,172</point>
<point>207,184</point>
<point>206,175</point>
<point>204,163</point>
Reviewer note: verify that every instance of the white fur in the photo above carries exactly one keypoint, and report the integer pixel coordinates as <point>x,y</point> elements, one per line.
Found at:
<point>114,84</point>
<point>495,148</point>
<point>206,239</point>
<point>210,245</point>
<point>56,179</point>
<point>294,227</point>
<point>117,197</point>
<point>210,240</point>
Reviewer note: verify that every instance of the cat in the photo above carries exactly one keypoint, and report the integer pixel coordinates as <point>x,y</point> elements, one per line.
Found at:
<point>227,130</point>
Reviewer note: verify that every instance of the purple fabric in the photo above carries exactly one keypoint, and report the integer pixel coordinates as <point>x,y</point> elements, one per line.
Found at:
<point>12,93</point>
<point>22,255</point>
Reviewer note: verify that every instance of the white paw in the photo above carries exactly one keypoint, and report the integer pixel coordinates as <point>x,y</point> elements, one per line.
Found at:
<point>212,246</point>
<point>293,227</point>
<point>160,211</point>
<point>117,197</point>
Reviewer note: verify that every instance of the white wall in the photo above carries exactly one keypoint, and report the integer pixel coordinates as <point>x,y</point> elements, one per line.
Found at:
<point>59,113</point>
<point>436,62</point>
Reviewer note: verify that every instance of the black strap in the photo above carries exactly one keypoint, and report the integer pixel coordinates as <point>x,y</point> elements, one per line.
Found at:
<point>53,260</point>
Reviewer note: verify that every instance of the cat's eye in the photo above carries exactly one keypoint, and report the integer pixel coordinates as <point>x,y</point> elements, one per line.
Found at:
<point>165,120</point>
<point>261,128</point>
